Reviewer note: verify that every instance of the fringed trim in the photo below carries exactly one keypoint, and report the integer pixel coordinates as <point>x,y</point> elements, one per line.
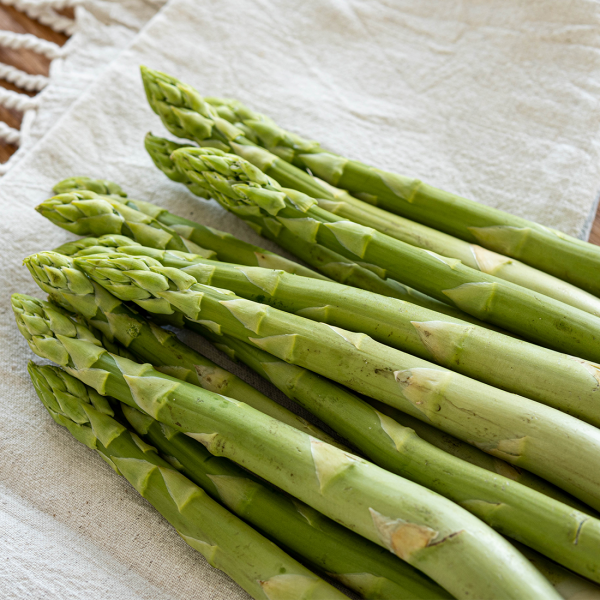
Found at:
<point>16,41</point>
<point>26,81</point>
<point>45,12</point>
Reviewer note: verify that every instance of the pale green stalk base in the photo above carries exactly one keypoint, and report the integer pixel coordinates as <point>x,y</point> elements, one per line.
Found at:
<point>569,585</point>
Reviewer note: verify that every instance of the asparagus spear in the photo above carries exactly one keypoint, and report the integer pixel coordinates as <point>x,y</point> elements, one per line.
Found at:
<point>426,530</point>
<point>242,187</point>
<point>227,543</point>
<point>541,247</point>
<point>364,567</point>
<point>87,213</point>
<point>564,382</point>
<point>70,288</point>
<point>515,510</point>
<point>229,249</point>
<point>555,446</point>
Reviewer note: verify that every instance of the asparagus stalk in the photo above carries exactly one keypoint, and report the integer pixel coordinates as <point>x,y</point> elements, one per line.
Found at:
<point>543,523</point>
<point>70,288</point>
<point>350,559</point>
<point>364,567</point>
<point>252,561</point>
<point>555,446</point>
<point>541,247</point>
<point>564,382</point>
<point>426,530</point>
<point>229,249</point>
<point>538,318</point>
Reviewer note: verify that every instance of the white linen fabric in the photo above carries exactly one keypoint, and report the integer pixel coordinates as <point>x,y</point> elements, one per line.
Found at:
<point>102,29</point>
<point>495,100</point>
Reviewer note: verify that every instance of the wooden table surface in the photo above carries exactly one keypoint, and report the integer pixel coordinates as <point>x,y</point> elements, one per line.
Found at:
<point>29,61</point>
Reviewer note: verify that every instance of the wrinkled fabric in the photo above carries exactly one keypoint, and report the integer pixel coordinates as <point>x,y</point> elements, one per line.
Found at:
<point>497,101</point>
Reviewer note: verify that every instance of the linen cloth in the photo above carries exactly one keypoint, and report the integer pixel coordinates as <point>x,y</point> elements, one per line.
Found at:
<point>495,100</point>
<point>102,29</point>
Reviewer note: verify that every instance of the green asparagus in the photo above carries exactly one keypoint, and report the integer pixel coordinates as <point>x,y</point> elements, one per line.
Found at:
<point>543,523</point>
<point>186,115</point>
<point>229,249</point>
<point>362,566</point>
<point>555,446</point>
<point>564,382</point>
<point>242,187</point>
<point>541,247</point>
<point>428,531</point>
<point>70,288</point>
<point>49,264</point>
<point>227,543</point>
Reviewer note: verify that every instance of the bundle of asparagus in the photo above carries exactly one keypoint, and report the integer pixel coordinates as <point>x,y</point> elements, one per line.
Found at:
<point>243,189</point>
<point>380,438</point>
<point>520,431</point>
<point>400,356</point>
<point>429,532</point>
<point>255,563</point>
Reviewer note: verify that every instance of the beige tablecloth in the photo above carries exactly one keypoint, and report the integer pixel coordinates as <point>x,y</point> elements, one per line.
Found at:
<point>495,100</point>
